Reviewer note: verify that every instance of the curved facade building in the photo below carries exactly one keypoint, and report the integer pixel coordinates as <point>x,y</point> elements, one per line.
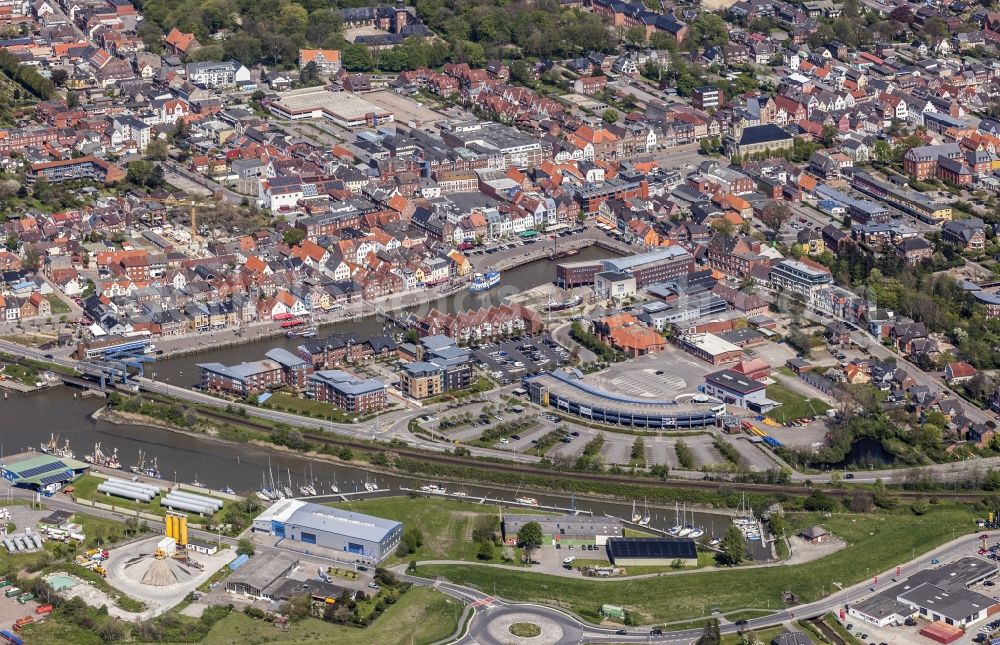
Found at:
<point>570,394</point>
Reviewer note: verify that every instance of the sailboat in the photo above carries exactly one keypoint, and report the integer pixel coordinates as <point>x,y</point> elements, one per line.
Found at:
<point>196,483</point>
<point>645,515</point>
<point>685,530</point>
<point>695,531</point>
<point>333,486</point>
<point>264,494</point>
<point>287,489</point>
<point>635,516</point>
<point>677,527</point>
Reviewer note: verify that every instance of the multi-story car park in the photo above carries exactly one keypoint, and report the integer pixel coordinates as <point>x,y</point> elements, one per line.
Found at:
<point>569,393</point>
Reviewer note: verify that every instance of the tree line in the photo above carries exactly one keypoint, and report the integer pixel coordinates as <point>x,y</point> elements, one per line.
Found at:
<point>27,77</point>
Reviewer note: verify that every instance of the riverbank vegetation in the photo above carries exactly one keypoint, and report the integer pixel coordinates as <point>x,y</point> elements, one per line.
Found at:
<point>875,542</point>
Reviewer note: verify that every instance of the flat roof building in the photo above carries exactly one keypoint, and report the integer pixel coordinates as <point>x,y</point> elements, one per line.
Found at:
<point>566,529</point>
<point>940,594</point>
<point>652,552</point>
<point>738,389</point>
<point>357,534</point>
<point>343,108</point>
<point>710,348</point>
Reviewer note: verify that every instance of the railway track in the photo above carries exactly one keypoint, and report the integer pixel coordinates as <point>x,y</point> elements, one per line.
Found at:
<point>524,469</point>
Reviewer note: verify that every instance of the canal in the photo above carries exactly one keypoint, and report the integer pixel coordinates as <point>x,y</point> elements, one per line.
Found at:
<point>30,419</point>
<point>182,370</point>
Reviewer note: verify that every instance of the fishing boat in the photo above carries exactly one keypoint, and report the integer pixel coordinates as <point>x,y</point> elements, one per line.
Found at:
<point>484,281</point>
<point>527,501</point>
<point>140,465</point>
<point>635,516</point>
<point>153,470</point>
<point>228,491</point>
<point>196,483</point>
<point>98,458</point>
<point>51,446</point>
<point>65,452</point>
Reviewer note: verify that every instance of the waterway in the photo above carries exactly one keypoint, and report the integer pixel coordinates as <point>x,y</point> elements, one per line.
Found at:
<point>182,370</point>
<point>29,419</point>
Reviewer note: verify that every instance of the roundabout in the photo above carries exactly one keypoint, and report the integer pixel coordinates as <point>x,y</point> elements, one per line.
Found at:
<point>517,625</point>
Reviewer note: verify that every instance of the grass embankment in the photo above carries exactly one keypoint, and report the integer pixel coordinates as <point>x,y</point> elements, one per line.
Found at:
<point>876,542</point>
<point>793,405</point>
<point>421,615</point>
<point>763,635</point>
<point>308,407</point>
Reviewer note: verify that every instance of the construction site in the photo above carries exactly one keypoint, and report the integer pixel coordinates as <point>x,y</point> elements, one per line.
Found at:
<point>162,570</point>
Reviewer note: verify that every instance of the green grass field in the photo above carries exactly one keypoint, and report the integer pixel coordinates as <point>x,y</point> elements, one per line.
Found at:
<point>58,306</point>
<point>793,405</point>
<point>422,615</point>
<point>446,524</point>
<point>876,542</point>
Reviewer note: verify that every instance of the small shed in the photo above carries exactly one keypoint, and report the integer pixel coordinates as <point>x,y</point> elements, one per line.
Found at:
<point>613,611</point>
<point>798,365</point>
<point>814,534</point>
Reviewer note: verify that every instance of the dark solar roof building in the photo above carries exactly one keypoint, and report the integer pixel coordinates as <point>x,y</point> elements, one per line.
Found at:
<point>626,552</point>
<point>44,473</point>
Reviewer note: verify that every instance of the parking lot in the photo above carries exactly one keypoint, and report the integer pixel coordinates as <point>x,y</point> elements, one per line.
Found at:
<point>510,360</point>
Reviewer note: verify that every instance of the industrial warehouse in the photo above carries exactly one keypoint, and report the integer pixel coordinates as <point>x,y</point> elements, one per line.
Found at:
<point>354,533</point>
<point>940,595</point>
<point>569,393</point>
<point>565,529</point>
<point>45,474</point>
